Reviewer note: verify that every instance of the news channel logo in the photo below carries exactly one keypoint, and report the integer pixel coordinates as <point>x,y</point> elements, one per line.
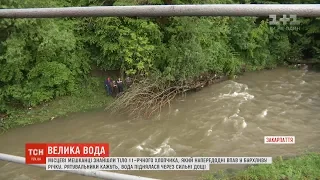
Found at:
<point>288,23</point>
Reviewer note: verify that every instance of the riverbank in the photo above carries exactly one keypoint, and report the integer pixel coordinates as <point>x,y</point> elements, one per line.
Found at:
<point>91,96</point>
<point>305,167</point>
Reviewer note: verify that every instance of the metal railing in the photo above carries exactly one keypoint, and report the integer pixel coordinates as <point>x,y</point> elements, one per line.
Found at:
<point>96,174</point>
<point>301,10</point>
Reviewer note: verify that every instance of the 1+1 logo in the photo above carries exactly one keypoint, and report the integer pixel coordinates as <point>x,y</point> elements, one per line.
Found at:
<point>284,21</point>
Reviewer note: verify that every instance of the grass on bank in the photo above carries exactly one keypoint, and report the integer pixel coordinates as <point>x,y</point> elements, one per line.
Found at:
<point>92,96</point>
<point>304,167</point>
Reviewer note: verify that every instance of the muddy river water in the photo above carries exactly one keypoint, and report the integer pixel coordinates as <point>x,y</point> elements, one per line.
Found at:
<point>226,119</point>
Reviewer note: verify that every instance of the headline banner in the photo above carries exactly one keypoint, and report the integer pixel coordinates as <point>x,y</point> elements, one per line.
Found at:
<point>95,156</point>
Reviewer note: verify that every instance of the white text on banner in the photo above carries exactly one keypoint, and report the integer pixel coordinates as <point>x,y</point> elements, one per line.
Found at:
<point>147,163</point>
<point>279,139</point>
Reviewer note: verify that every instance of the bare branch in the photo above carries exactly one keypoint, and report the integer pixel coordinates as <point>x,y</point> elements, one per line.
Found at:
<point>148,96</point>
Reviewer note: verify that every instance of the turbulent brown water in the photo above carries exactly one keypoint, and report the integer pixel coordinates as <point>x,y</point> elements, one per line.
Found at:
<point>225,119</point>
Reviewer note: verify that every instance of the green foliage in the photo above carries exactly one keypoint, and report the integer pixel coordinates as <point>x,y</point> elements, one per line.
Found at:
<point>40,59</point>
<point>90,96</point>
<point>124,43</point>
<point>303,167</point>
<point>304,42</point>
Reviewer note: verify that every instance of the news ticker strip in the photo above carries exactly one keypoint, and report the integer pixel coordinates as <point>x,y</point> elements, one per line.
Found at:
<point>96,156</point>
<point>147,163</point>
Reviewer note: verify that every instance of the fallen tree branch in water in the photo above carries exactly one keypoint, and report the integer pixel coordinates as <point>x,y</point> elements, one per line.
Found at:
<point>148,96</point>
